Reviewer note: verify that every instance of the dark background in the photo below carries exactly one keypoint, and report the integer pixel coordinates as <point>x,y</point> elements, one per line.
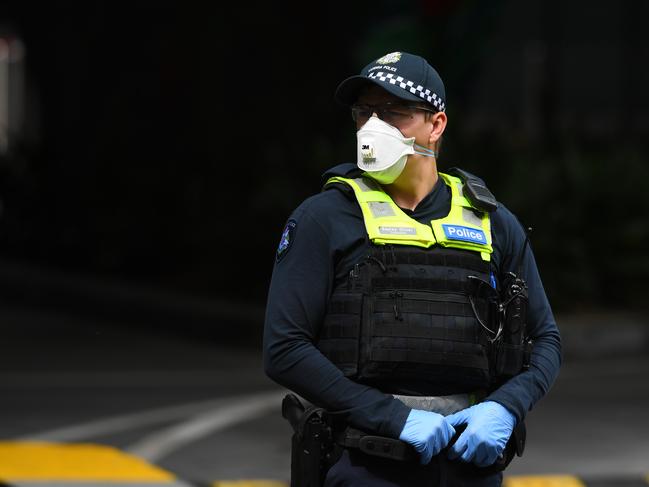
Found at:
<point>161,146</point>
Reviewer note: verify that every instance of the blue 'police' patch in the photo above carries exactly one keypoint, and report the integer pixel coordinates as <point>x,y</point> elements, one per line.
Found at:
<point>459,232</point>
<point>287,239</point>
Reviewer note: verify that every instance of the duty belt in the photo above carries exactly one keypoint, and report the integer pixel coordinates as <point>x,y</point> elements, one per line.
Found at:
<point>397,449</point>
<point>317,439</point>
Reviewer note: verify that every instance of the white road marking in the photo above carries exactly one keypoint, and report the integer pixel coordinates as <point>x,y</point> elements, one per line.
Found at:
<point>122,379</point>
<point>128,422</point>
<point>163,442</point>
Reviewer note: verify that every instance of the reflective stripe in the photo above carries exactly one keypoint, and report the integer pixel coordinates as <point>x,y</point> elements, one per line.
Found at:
<point>381,208</point>
<point>469,216</point>
<point>365,185</point>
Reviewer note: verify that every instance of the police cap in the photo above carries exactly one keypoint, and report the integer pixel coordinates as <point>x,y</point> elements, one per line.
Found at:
<point>404,75</point>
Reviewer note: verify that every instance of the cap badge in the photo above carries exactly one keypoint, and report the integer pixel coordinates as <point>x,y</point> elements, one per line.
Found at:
<point>393,57</point>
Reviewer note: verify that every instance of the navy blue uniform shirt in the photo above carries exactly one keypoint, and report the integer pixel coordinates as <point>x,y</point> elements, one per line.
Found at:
<point>326,234</point>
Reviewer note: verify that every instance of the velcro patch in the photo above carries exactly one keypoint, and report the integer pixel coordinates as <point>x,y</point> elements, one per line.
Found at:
<point>466,234</point>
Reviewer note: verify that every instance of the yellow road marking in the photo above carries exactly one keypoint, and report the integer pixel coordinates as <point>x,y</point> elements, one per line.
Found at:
<point>542,481</point>
<point>249,483</point>
<point>53,461</point>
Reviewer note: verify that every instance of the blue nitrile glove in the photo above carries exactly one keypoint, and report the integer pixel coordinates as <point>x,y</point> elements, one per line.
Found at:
<point>428,432</point>
<point>489,426</point>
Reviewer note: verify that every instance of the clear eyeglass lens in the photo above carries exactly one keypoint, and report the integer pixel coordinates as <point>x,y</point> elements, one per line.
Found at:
<point>393,115</point>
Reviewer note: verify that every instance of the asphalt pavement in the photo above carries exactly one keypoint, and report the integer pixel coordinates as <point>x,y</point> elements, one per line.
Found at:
<point>197,403</point>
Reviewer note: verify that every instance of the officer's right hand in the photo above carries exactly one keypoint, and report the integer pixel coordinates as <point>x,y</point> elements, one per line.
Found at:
<point>428,432</point>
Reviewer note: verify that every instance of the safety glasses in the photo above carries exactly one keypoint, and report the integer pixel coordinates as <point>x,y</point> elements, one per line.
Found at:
<point>392,113</point>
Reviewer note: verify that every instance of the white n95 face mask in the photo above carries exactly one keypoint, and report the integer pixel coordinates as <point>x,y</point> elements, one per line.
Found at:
<point>382,150</point>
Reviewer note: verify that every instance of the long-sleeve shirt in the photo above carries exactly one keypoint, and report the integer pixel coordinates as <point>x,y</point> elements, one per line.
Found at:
<point>324,237</point>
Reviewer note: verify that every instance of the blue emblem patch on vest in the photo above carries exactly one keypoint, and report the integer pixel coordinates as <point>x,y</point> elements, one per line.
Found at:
<point>287,239</point>
<point>458,232</point>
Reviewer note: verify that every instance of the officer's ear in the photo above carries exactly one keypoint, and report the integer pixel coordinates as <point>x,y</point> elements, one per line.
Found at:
<point>437,126</point>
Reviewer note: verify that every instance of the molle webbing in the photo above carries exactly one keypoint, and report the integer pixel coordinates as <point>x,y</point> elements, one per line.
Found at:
<point>408,255</point>
<point>340,333</point>
<point>406,312</point>
<point>439,269</point>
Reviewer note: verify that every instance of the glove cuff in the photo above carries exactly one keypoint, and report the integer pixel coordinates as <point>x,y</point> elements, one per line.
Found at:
<point>503,411</point>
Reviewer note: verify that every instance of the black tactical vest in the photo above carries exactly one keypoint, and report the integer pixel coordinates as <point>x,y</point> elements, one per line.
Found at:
<point>409,315</point>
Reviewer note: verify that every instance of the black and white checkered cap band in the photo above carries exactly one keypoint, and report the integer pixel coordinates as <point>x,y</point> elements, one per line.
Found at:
<point>418,90</point>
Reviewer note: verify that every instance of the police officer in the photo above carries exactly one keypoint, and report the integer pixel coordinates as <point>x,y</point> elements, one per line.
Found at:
<point>390,303</point>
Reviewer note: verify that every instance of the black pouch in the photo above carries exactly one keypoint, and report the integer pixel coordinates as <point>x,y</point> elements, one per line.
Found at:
<point>512,349</point>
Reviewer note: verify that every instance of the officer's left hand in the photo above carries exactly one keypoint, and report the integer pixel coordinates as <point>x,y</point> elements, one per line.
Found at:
<point>489,426</point>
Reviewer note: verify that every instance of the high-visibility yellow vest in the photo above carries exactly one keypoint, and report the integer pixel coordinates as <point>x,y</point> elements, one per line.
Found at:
<point>463,228</point>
